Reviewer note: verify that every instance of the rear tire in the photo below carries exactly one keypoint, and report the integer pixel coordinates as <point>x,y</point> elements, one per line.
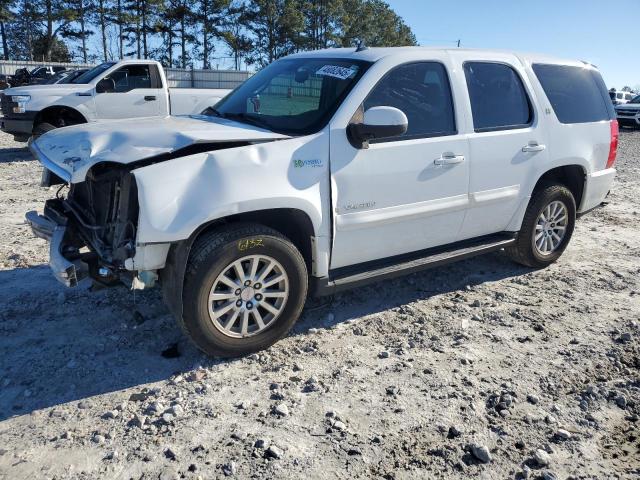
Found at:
<point>535,247</point>
<point>222,288</point>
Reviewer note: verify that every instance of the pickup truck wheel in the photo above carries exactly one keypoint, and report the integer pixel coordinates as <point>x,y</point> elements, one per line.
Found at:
<point>42,128</point>
<point>244,288</point>
<point>546,228</point>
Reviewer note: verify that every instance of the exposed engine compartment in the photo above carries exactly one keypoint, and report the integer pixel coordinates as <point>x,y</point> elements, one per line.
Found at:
<point>105,207</point>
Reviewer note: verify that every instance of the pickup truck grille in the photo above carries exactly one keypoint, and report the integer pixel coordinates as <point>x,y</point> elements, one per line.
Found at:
<point>6,105</point>
<point>627,113</point>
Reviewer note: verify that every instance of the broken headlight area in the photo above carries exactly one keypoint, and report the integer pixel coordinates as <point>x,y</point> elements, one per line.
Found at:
<point>100,216</point>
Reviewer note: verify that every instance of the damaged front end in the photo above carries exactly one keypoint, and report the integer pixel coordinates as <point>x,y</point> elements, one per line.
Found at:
<point>91,225</point>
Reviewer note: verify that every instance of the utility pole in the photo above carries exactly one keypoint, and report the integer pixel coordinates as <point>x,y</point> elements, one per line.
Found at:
<point>458,43</point>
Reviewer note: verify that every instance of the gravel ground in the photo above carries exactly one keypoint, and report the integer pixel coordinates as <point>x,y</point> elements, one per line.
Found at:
<point>482,369</point>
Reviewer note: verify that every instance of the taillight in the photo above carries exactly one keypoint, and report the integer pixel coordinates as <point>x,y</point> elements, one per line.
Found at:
<point>613,146</point>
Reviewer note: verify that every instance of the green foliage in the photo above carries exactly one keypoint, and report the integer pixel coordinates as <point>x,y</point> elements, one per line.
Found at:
<point>186,32</point>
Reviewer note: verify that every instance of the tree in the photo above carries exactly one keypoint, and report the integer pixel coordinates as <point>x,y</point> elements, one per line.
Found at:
<point>275,26</point>
<point>5,16</point>
<point>54,50</point>
<point>78,16</point>
<point>56,16</point>
<point>211,16</point>
<point>322,18</point>
<point>374,23</point>
<point>234,34</point>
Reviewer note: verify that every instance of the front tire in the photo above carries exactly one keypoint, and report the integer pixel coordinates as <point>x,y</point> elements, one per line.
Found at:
<point>547,227</point>
<point>244,289</point>
<point>41,129</point>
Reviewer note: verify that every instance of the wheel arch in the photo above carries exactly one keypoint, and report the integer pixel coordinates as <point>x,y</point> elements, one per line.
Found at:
<point>59,116</point>
<point>573,176</point>
<point>293,223</point>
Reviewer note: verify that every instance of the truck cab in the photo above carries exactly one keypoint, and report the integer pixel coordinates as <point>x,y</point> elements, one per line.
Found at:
<point>112,90</point>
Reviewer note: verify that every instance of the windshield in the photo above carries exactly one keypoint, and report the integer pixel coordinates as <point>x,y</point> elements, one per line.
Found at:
<point>635,99</point>
<point>89,75</point>
<point>292,96</point>
<point>55,79</point>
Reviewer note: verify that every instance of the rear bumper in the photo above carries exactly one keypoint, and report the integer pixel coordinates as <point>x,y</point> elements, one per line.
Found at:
<point>64,259</point>
<point>597,187</point>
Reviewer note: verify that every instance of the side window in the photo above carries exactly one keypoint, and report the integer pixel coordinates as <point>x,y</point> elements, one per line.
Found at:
<point>422,92</point>
<point>130,77</point>
<point>577,94</point>
<point>498,98</point>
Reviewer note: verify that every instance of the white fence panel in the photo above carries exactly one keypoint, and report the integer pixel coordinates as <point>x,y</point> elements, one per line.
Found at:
<point>176,77</point>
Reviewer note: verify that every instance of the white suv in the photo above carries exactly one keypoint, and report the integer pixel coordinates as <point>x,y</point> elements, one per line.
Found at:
<point>328,170</point>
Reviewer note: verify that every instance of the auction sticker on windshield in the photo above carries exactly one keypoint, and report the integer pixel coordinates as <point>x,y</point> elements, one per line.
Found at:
<point>335,71</point>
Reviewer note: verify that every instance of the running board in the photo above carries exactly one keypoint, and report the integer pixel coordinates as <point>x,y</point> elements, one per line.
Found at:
<point>358,275</point>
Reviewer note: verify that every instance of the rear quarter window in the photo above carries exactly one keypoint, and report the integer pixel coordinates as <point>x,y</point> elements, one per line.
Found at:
<point>577,94</point>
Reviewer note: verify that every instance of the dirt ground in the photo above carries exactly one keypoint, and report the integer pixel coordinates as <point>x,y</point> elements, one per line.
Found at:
<point>482,369</point>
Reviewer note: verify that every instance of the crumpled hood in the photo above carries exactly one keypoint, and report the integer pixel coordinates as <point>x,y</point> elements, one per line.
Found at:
<point>71,151</point>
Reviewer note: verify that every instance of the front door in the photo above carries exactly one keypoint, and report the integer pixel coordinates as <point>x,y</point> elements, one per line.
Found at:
<point>133,92</point>
<point>406,193</point>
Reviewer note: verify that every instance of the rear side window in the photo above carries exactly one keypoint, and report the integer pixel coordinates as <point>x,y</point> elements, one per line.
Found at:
<point>577,94</point>
<point>498,98</point>
<point>421,90</point>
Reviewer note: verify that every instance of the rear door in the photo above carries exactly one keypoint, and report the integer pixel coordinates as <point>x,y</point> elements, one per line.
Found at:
<point>506,140</point>
<point>136,91</point>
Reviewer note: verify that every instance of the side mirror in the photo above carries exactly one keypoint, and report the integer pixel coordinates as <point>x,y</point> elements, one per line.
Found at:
<point>105,85</point>
<point>378,122</point>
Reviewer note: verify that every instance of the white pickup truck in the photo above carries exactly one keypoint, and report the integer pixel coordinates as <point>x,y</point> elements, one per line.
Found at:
<point>112,90</point>
<point>329,170</point>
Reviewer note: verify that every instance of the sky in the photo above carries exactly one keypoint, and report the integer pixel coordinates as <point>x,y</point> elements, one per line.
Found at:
<point>590,30</point>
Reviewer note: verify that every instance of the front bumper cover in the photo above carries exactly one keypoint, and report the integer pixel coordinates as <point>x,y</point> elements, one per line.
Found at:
<point>64,259</point>
<point>22,124</point>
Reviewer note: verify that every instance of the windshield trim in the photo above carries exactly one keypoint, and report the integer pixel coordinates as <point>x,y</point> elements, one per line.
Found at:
<point>98,69</point>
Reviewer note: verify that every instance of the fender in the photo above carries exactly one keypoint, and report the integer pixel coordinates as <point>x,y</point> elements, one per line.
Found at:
<point>516,220</point>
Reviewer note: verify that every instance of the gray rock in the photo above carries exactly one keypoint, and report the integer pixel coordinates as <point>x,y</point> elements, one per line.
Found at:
<point>621,401</point>
<point>168,417</point>
<point>176,410</point>
<point>542,458</point>
<point>549,475</point>
<point>625,337</point>
<point>562,434</point>
<point>481,452</point>
<point>262,443</point>
<point>533,399</point>
<point>111,414</point>
<point>340,426</point>
<point>98,438</point>
<point>384,354</point>
<point>281,409</point>
<point>229,469</point>
<point>274,452</point>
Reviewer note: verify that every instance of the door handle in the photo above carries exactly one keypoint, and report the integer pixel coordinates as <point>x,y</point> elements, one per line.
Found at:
<point>449,159</point>
<point>149,98</point>
<point>533,147</point>
<point>83,94</point>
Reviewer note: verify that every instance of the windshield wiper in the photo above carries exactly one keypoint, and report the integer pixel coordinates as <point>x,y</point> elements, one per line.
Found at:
<point>213,111</point>
<point>250,119</point>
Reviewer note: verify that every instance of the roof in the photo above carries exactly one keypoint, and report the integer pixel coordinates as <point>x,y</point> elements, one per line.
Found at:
<point>373,54</point>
